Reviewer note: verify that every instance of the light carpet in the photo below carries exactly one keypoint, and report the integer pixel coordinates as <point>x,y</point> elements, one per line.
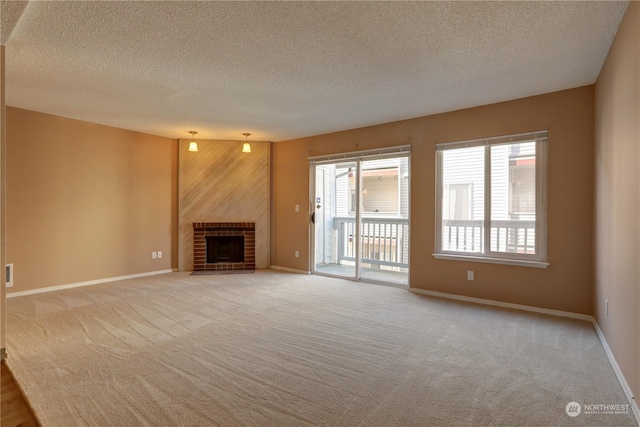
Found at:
<point>281,349</point>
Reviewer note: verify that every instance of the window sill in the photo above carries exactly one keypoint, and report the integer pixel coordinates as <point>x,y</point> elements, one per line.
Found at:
<point>505,261</point>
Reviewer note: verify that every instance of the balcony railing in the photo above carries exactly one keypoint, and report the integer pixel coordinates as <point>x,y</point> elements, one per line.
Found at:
<point>511,236</point>
<point>385,241</point>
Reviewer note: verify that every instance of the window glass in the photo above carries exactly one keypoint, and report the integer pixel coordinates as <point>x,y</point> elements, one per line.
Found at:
<point>501,174</point>
<point>463,200</point>
<point>380,187</point>
<point>513,198</point>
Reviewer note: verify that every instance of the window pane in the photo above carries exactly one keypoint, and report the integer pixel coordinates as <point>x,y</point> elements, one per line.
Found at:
<point>463,200</point>
<point>384,237</point>
<point>380,190</point>
<point>513,198</point>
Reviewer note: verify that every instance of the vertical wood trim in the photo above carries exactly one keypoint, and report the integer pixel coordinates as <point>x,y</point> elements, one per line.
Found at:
<point>3,150</point>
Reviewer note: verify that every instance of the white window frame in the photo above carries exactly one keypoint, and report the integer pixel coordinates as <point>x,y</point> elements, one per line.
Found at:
<point>539,259</point>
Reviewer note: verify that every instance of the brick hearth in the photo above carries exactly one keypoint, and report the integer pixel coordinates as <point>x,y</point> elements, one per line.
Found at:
<point>203,229</point>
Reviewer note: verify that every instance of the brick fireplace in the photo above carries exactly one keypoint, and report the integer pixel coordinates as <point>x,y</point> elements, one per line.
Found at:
<point>224,246</point>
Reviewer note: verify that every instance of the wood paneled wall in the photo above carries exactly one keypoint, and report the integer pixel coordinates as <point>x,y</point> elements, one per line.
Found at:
<point>219,183</point>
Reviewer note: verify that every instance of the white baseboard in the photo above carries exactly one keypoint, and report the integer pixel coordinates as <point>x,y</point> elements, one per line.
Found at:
<point>621,379</point>
<point>87,283</point>
<point>560,313</point>
<point>289,270</point>
<point>616,368</point>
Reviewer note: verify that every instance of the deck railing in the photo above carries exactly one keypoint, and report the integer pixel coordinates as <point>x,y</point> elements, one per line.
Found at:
<point>512,236</point>
<point>385,241</point>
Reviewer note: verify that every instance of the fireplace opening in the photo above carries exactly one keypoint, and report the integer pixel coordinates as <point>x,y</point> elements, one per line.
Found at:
<point>224,249</point>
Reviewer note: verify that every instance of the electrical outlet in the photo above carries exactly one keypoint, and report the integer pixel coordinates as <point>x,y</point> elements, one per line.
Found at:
<point>297,254</point>
<point>297,208</point>
<point>606,307</point>
<point>154,255</point>
<point>159,254</point>
<point>470,275</point>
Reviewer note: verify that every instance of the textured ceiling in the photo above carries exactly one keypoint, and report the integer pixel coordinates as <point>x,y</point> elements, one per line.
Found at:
<point>282,70</point>
<point>10,11</point>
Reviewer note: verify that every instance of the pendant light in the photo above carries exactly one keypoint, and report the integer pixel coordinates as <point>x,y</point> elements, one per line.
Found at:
<point>246,147</point>
<point>193,145</point>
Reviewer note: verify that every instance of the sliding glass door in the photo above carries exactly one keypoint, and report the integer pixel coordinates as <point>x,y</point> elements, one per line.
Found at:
<point>360,216</point>
<point>335,228</point>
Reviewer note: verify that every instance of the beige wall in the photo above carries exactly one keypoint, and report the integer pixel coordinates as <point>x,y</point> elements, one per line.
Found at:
<point>85,201</point>
<point>568,115</point>
<point>617,222</point>
<point>219,183</point>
